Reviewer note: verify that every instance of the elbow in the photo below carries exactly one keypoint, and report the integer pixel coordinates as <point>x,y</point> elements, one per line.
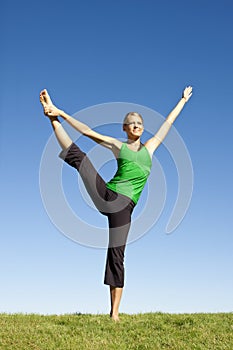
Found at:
<point>87,132</point>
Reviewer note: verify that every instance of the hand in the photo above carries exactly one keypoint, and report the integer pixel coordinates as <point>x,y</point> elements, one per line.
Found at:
<point>187,93</point>
<point>49,109</point>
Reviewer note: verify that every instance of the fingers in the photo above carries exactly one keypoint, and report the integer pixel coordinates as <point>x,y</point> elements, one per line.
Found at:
<point>187,93</point>
<point>189,89</point>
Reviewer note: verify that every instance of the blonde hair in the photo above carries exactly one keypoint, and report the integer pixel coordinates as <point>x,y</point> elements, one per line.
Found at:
<point>132,113</point>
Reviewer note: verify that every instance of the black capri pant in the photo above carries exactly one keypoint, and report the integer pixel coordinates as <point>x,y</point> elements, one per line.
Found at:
<point>117,207</point>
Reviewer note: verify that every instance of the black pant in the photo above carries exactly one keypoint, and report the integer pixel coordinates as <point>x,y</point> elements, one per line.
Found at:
<point>117,207</point>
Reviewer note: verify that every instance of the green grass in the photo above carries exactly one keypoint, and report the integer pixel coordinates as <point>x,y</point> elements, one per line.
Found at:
<point>92,332</point>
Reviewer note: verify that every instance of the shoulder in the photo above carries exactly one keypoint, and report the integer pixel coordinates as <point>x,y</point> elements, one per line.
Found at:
<point>117,144</point>
<point>116,147</point>
<point>152,144</point>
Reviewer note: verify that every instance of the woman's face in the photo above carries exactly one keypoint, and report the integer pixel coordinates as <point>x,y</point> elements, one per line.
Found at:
<point>133,127</point>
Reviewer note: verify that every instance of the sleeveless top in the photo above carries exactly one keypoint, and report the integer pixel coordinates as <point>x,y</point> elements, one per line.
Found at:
<point>132,173</point>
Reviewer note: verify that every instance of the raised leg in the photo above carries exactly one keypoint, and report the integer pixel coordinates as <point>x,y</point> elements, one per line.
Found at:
<point>52,112</point>
<point>62,137</point>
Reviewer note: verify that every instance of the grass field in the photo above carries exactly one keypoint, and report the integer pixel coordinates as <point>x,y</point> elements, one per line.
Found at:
<point>141,331</point>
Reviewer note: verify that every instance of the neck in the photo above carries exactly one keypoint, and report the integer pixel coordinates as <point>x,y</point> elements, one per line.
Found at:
<point>136,142</point>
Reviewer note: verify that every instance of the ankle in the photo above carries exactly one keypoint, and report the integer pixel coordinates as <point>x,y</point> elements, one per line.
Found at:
<point>52,119</point>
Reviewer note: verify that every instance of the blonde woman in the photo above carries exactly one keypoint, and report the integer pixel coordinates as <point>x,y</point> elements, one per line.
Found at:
<point>117,198</point>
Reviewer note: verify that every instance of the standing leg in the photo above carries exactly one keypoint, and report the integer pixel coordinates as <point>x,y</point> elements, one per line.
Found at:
<point>114,277</point>
<point>115,295</point>
<point>119,225</point>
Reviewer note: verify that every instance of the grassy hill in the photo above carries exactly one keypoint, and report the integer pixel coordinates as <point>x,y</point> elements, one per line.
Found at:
<point>92,332</point>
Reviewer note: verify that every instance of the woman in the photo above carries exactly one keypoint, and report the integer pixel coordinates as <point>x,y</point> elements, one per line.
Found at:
<point>117,198</point>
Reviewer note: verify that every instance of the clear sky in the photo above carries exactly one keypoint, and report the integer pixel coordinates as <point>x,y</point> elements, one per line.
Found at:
<point>88,53</point>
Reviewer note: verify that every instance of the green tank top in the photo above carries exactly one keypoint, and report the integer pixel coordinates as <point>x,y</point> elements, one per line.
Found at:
<point>132,173</point>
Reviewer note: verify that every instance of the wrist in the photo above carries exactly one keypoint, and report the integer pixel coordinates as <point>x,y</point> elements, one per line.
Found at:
<point>61,113</point>
<point>183,99</point>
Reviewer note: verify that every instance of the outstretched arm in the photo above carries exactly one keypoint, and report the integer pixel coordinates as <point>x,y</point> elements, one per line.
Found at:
<point>84,129</point>
<point>53,112</point>
<point>153,143</point>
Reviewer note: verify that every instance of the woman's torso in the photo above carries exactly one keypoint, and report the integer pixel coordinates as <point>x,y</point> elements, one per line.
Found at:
<point>132,172</point>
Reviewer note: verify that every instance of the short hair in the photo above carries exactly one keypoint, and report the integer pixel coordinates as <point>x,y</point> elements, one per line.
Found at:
<point>132,113</point>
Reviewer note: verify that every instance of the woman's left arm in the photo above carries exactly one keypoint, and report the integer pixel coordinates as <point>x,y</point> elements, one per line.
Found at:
<point>153,143</point>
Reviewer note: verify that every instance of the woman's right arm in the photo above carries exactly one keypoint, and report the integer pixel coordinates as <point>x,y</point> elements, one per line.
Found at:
<point>84,129</point>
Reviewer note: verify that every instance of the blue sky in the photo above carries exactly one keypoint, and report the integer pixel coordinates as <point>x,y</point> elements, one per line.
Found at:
<point>141,52</point>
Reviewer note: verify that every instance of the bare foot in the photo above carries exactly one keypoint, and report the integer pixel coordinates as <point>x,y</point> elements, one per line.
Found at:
<point>115,318</point>
<point>49,109</point>
<point>45,98</point>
